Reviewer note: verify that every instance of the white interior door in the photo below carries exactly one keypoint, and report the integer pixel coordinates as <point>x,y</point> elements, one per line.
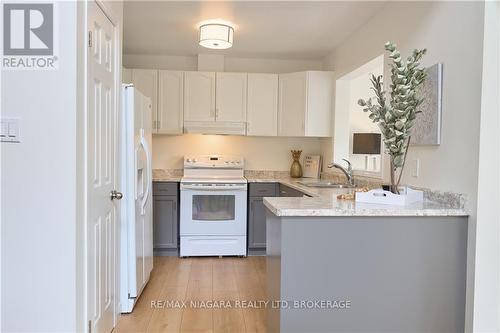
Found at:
<point>231,97</point>
<point>101,166</point>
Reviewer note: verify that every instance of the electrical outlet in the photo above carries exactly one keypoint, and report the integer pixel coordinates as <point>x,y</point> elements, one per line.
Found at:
<point>415,170</point>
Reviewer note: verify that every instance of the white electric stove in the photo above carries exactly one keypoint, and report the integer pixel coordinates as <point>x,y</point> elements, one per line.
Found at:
<point>213,215</point>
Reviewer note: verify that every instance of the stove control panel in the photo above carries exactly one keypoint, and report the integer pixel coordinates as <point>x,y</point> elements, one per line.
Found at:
<point>214,161</point>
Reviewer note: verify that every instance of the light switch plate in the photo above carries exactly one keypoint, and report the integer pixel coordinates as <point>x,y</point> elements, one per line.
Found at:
<point>4,129</point>
<point>10,130</point>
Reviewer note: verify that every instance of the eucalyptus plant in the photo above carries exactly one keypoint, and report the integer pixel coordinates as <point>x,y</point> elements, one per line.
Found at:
<point>397,117</point>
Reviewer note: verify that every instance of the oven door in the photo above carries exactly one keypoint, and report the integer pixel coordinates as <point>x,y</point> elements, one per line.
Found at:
<point>213,209</point>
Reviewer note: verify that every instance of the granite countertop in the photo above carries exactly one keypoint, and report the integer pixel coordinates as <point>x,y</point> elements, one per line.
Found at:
<point>324,202</point>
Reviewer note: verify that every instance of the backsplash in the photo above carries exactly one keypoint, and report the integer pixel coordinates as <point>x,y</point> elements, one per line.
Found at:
<point>261,153</point>
<point>267,174</point>
<point>361,181</point>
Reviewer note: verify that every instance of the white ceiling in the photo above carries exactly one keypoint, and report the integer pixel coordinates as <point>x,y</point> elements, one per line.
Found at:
<point>283,30</point>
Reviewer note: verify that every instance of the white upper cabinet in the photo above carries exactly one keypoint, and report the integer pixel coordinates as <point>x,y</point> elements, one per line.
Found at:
<point>146,81</point>
<point>305,104</point>
<point>319,112</point>
<point>292,104</point>
<point>170,118</point>
<point>231,97</point>
<point>199,96</point>
<point>262,105</point>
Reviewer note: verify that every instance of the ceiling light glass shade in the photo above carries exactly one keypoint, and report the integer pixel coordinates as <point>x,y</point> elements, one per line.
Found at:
<point>216,36</point>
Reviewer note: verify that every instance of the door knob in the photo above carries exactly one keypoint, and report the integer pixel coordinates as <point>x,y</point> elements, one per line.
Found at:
<point>116,195</point>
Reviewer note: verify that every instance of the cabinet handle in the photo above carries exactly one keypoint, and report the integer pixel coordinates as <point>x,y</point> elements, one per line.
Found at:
<point>248,127</point>
<point>158,124</point>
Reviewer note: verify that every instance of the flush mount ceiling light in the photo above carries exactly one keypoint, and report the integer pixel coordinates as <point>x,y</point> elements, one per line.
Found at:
<point>216,34</point>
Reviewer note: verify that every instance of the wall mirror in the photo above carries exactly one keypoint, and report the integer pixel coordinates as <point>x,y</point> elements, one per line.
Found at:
<point>356,137</point>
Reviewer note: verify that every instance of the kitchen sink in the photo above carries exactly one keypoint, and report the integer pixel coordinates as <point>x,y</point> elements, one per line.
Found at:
<point>325,183</point>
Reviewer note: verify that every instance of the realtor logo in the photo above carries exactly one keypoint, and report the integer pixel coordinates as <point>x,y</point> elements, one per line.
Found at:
<point>28,36</point>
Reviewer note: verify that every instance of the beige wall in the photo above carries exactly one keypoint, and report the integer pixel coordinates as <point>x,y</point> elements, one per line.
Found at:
<point>452,32</point>
<point>231,64</point>
<point>38,237</point>
<point>260,153</point>
<point>487,277</point>
<point>146,61</point>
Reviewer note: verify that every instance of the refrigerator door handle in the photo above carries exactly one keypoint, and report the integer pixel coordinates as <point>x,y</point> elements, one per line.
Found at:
<point>149,179</point>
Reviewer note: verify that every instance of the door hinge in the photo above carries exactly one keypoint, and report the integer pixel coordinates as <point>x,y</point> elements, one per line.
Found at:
<point>90,326</point>
<point>90,38</point>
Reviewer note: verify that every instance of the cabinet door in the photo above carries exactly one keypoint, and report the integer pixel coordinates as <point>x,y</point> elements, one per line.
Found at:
<point>170,102</point>
<point>286,191</point>
<point>231,97</point>
<point>165,221</point>
<point>292,104</point>
<point>262,105</point>
<point>262,189</point>
<point>257,223</point>
<point>146,81</point>
<point>319,117</point>
<point>199,96</point>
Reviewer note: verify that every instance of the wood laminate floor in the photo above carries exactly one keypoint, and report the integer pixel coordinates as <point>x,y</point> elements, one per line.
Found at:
<point>230,280</point>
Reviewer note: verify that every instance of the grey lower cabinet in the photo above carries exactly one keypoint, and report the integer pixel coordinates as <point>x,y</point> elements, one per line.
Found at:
<point>386,274</point>
<point>287,191</point>
<point>166,218</point>
<point>257,215</point>
<point>257,212</point>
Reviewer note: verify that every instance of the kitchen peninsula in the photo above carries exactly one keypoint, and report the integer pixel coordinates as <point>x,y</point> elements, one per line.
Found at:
<point>399,269</point>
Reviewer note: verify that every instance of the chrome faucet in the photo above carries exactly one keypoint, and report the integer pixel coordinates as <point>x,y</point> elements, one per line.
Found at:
<point>347,172</point>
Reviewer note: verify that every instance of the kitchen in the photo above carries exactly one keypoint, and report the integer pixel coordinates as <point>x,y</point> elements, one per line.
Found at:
<point>222,137</point>
<point>254,179</point>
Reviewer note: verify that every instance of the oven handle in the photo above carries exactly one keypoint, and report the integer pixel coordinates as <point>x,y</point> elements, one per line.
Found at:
<point>212,188</point>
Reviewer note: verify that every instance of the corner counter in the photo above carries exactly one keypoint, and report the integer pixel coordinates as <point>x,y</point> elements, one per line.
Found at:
<point>343,266</point>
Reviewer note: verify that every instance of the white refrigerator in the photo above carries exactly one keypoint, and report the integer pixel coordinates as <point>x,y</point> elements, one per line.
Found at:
<point>136,261</point>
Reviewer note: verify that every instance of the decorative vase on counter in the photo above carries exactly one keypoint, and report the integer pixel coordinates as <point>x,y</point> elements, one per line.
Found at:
<point>296,168</point>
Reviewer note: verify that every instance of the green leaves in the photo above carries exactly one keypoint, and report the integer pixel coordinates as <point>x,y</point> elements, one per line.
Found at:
<point>396,118</point>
